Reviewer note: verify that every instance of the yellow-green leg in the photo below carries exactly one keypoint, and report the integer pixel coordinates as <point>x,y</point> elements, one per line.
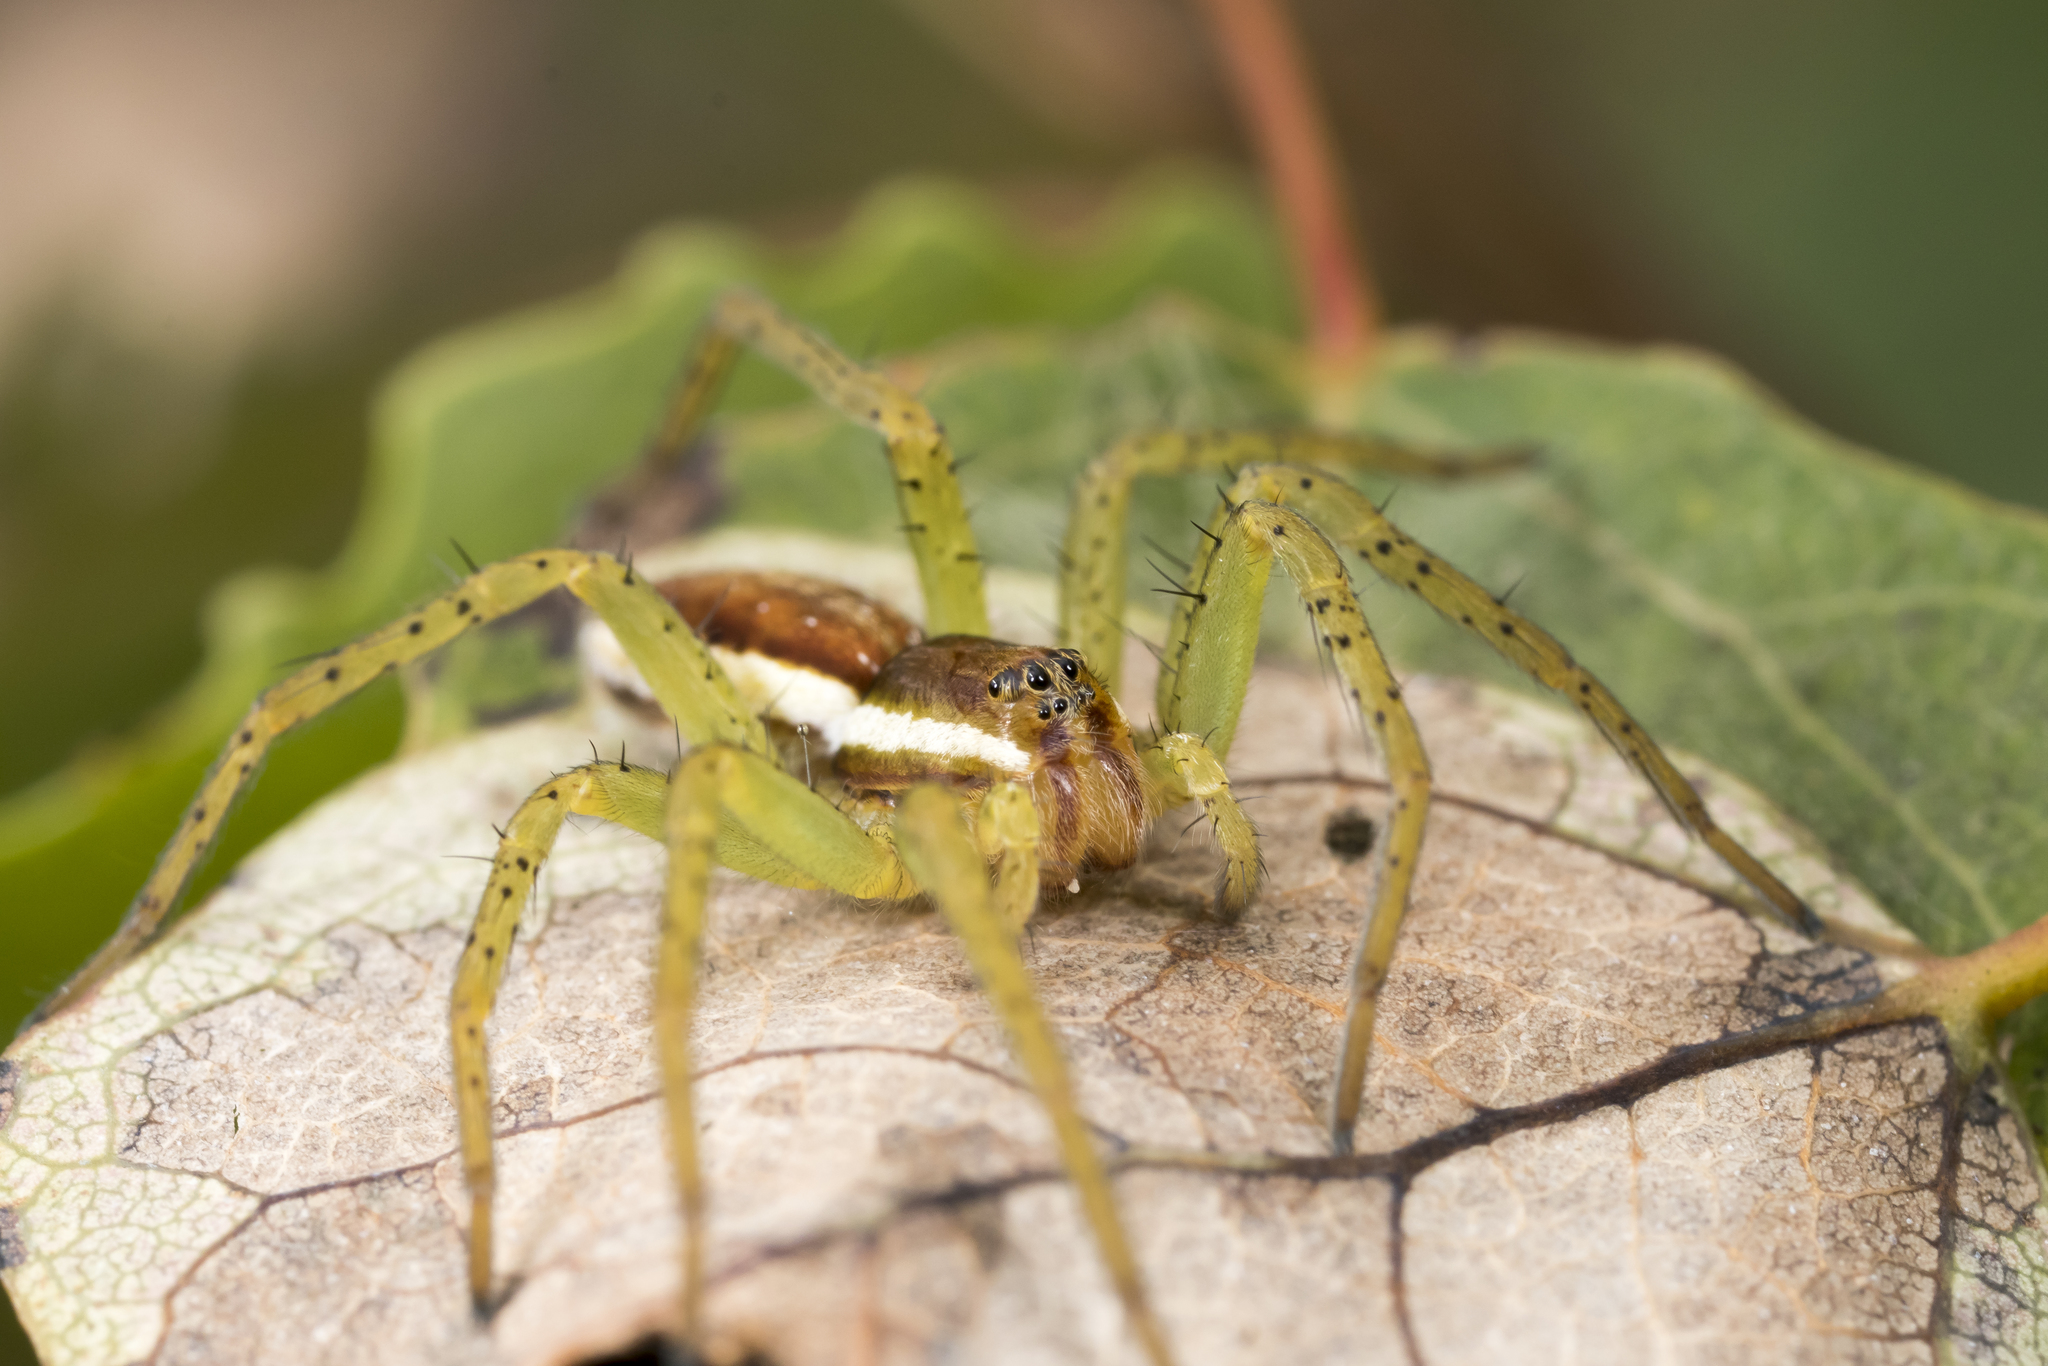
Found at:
<point>1350,517</point>
<point>1202,689</point>
<point>1006,828</point>
<point>936,846</point>
<point>692,688</point>
<point>927,485</point>
<point>1094,567</point>
<point>725,805</point>
<point>1184,769</point>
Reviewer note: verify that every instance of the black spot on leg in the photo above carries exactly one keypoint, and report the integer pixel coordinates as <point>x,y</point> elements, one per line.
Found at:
<point>504,891</point>
<point>1585,687</point>
<point>1627,729</point>
<point>540,564</point>
<point>1507,628</point>
<point>1322,604</point>
<point>1467,619</point>
<point>490,951</point>
<point>198,814</point>
<point>333,674</point>
<point>1385,547</point>
<point>462,608</point>
<point>1379,718</point>
<point>1308,483</point>
<point>551,794</point>
<point>245,768</point>
<point>1343,642</point>
<point>247,736</point>
<point>523,865</point>
<point>1422,567</point>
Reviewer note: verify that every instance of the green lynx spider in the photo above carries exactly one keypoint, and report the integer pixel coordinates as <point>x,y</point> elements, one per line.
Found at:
<point>730,800</point>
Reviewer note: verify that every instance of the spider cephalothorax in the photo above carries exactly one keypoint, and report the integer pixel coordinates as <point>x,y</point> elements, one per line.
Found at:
<point>832,745</point>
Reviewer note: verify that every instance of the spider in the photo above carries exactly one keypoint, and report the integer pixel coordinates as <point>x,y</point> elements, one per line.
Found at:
<point>983,774</point>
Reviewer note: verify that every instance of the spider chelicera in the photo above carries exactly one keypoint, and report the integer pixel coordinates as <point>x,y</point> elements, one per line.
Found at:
<point>944,764</point>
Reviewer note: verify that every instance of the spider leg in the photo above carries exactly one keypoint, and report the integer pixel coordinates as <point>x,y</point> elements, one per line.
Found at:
<point>1094,564</point>
<point>927,486</point>
<point>724,805</point>
<point>1351,518</point>
<point>1184,769</point>
<point>695,690</point>
<point>936,846</point>
<point>1006,827</point>
<point>1215,638</point>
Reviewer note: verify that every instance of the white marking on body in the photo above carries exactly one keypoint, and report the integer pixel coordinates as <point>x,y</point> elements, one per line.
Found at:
<point>870,727</point>
<point>773,688</point>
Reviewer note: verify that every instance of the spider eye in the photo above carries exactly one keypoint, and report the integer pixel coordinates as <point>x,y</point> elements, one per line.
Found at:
<point>1060,704</point>
<point>1037,677</point>
<point>1067,668</point>
<point>995,689</point>
<point>1044,712</point>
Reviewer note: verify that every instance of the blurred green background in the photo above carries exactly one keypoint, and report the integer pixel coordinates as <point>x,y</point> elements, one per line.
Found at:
<point>225,220</point>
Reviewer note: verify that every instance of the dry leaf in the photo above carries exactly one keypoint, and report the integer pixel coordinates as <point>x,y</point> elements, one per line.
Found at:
<point>243,1149</point>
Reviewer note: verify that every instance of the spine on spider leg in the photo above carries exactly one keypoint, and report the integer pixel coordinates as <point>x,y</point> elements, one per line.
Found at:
<point>920,458</point>
<point>491,592</point>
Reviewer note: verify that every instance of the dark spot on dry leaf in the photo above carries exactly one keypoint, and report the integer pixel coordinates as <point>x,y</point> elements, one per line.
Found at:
<point>1349,834</point>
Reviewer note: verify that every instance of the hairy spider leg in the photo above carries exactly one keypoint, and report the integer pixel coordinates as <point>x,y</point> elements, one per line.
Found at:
<point>727,805</point>
<point>1184,769</point>
<point>1093,569</point>
<point>927,482</point>
<point>944,859</point>
<point>1202,689</point>
<point>699,692</point>
<point>1351,518</point>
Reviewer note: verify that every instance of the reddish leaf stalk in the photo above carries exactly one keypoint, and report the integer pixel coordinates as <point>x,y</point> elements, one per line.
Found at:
<point>1269,79</point>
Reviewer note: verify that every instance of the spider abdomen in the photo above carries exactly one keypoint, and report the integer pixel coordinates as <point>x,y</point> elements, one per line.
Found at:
<point>801,650</point>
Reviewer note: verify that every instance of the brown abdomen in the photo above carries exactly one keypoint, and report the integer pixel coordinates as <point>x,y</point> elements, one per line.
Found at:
<point>812,623</point>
